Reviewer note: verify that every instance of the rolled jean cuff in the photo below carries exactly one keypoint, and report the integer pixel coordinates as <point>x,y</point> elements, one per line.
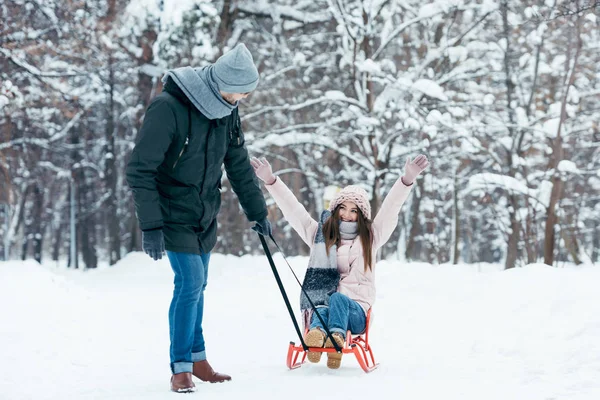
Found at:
<point>338,330</point>
<point>199,356</point>
<point>180,367</point>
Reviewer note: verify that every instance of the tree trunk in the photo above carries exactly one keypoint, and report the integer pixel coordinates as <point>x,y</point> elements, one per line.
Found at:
<point>557,154</point>
<point>135,239</point>
<point>37,226</point>
<point>74,200</point>
<point>224,29</point>
<point>512,252</point>
<point>27,221</point>
<point>596,243</point>
<point>73,223</point>
<point>58,237</point>
<point>572,246</point>
<point>551,220</point>
<point>412,252</point>
<point>456,233</point>
<point>87,222</point>
<point>4,220</point>
<point>530,235</point>
<point>110,173</point>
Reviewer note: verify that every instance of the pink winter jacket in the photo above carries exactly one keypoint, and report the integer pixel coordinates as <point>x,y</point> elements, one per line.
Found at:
<point>354,281</point>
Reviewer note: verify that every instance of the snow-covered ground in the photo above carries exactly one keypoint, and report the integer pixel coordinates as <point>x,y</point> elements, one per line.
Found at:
<point>439,332</point>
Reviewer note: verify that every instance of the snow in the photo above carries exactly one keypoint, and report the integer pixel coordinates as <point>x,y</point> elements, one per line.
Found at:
<point>329,192</point>
<point>489,181</point>
<point>174,9</point>
<point>489,99</point>
<point>457,54</point>
<point>434,116</point>
<point>368,66</point>
<point>428,10</point>
<point>568,166</point>
<point>3,101</point>
<point>439,332</point>
<point>411,123</point>
<point>335,95</point>
<point>291,25</point>
<point>550,127</point>
<point>152,70</point>
<point>430,88</point>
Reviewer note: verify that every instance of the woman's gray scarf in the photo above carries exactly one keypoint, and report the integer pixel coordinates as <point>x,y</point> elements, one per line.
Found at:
<point>348,230</point>
<point>202,90</point>
<point>322,277</point>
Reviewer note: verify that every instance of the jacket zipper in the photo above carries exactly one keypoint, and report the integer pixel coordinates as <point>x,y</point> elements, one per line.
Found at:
<point>231,138</point>
<point>187,140</point>
<point>187,137</point>
<point>206,158</point>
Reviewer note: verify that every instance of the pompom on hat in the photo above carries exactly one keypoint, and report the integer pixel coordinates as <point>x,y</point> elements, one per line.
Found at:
<point>355,194</point>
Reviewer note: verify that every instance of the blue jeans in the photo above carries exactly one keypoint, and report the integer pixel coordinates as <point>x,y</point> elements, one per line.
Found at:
<point>343,314</point>
<point>187,307</point>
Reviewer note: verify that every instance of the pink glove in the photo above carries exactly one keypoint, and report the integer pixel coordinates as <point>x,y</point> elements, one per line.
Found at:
<point>263,170</point>
<point>414,168</point>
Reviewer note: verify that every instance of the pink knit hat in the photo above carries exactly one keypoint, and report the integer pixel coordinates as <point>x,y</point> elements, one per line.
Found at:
<point>355,194</point>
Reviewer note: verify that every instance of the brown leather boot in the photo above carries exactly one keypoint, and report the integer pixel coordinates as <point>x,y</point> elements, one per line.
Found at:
<point>204,372</point>
<point>182,383</point>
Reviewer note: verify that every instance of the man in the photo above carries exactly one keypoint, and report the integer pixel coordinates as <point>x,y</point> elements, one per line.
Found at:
<point>190,130</point>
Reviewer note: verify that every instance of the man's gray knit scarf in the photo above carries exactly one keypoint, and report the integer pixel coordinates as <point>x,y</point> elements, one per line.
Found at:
<point>201,89</point>
<point>322,277</point>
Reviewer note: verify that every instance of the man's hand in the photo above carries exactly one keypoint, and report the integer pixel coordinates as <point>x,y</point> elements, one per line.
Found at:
<point>263,227</point>
<point>153,243</point>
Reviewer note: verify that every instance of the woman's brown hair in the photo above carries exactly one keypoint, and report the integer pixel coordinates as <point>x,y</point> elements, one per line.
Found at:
<point>331,231</point>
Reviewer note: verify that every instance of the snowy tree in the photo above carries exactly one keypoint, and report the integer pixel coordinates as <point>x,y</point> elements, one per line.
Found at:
<point>502,96</point>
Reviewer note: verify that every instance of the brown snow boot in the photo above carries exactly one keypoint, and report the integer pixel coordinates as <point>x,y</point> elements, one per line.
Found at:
<point>182,383</point>
<point>204,372</point>
<point>314,338</point>
<point>334,360</point>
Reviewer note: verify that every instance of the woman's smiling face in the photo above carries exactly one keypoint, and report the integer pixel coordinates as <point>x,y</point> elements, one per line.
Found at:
<point>348,212</point>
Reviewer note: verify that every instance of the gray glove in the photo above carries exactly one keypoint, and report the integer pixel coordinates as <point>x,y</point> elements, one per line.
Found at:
<point>153,243</point>
<point>263,227</point>
<point>412,169</point>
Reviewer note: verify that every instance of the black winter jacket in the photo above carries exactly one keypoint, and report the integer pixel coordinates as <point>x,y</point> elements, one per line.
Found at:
<point>175,172</point>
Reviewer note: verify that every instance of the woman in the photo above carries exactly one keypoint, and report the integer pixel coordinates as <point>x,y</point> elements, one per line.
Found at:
<point>340,279</point>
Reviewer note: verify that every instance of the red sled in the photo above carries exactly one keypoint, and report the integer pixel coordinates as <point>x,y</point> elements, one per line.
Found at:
<point>355,344</point>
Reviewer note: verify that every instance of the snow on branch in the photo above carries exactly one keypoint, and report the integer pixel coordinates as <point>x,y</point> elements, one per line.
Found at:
<point>332,96</point>
<point>284,12</point>
<point>488,181</point>
<point>32,69</point>
<point>35,141</point>
<point>297,138</point>
<point>67,127</point>
<point>60,172</point>
<point>400,29</point>
<point>430,88</point>
<point>49,13</point>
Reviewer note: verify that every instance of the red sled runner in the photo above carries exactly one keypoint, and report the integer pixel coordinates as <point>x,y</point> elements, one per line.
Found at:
<point>355,344</point>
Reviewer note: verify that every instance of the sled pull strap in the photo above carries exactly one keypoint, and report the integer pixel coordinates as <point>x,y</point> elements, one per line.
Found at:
<point>282,289</point>
<point>312,305</point>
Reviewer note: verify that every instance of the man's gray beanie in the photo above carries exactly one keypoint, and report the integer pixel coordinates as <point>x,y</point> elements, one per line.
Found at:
<point>235,71</point>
